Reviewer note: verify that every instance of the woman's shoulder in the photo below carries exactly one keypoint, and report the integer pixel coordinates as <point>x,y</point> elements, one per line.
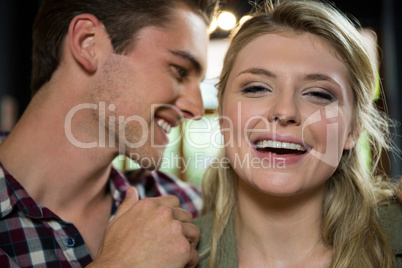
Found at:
<point>390,219</point>
<point>227,253</point>
<point>204,223</point>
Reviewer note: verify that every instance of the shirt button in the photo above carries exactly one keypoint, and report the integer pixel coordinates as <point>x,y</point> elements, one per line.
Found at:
<point>69,242</point>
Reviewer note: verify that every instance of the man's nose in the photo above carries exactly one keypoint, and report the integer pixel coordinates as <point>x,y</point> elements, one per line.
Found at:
<point>190,102</point>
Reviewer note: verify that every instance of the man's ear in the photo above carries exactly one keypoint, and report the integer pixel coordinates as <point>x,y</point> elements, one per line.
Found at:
<point>82,40</point>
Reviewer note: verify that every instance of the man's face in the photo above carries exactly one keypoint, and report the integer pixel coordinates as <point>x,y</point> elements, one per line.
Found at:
<point>154,87</point>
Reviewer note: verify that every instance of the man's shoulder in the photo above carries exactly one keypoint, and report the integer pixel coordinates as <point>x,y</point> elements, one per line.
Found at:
<point>157,183</point>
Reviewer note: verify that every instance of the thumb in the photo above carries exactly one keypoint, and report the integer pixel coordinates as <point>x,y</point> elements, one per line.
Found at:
<point>132,194</point>
<point>130,200</point>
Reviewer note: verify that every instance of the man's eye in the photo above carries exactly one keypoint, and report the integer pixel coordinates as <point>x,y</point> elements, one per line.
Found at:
<point>183,73</point>
<point>254,89</point>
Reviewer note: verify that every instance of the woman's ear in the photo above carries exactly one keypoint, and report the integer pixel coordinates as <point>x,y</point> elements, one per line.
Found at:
<point>350,142</point>
<point>352,138</point>
<point>83,35</point>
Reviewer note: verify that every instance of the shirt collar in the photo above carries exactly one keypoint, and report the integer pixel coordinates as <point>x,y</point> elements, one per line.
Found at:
<point>5,200</point>
<point>118,184</point>
<point>13,194</point>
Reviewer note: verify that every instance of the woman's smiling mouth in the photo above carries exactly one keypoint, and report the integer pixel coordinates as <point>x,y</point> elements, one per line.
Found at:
<point>278,147</point>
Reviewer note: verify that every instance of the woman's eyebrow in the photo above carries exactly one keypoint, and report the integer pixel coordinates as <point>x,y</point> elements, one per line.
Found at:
<point>259,71</point>
<point>320,77</point>
<point>308,77</point>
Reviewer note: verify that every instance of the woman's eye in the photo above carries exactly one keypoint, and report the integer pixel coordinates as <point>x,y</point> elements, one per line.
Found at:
<point>255,89</point>
<point>321,95</point>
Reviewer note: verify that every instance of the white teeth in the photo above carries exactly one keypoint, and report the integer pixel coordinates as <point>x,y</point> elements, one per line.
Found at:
<point>164,125</point>
<point>278,144</point>
<point>286,145</point>
<point>269,143</point>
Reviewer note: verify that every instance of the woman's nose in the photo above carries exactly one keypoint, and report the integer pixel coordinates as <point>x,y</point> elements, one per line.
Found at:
<point>285,110</point>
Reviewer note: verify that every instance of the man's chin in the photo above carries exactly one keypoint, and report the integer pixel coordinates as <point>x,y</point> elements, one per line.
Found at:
<point>151,165</point>
<point>149,162</point>
<point>147,159</point>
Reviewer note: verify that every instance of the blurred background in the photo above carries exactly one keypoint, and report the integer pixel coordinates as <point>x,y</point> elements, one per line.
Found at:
<point>195,144</point>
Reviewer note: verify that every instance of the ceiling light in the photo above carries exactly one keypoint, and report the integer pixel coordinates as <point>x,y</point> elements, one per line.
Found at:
<point>226,20</point>
<point>244,19</point>
<point>213,26</point>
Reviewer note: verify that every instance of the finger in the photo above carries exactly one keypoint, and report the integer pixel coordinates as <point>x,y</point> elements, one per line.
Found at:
<point>194,258</point>
<point>192,233</point>
<point>129,201</point>
<point>168,200</point>
<point>182,215</point>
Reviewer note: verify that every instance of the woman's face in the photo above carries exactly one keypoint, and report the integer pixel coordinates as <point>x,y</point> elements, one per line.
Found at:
<point>286,113</point>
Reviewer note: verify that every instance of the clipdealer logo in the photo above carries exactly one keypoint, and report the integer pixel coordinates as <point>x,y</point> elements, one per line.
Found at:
<point>330,113</point>
<point>122,123</point>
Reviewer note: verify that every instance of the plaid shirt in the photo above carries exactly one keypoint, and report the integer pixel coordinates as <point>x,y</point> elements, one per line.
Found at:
<point>33,236</point>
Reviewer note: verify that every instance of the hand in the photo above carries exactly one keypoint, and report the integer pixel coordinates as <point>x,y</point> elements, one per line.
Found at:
<point>152,232</point>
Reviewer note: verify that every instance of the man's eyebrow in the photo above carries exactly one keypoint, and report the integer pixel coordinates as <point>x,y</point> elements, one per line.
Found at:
<point>188,57</point>
<point>259,71</point>
<point>320,77</point>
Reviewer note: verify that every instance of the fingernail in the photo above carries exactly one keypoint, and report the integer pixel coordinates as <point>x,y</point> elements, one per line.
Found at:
<point>129,192</point>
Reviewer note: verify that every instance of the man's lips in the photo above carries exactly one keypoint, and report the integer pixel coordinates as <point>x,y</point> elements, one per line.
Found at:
<point>164,125</point>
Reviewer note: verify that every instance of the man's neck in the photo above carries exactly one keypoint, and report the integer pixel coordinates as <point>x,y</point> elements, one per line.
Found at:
<point>52,169</point>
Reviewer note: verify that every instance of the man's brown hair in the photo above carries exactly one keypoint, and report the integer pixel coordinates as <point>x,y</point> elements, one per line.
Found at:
<point>123,19</point>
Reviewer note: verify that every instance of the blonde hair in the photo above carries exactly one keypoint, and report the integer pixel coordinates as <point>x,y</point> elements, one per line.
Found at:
<point>349,219</point>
